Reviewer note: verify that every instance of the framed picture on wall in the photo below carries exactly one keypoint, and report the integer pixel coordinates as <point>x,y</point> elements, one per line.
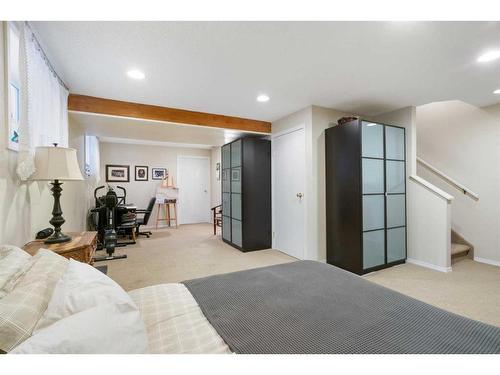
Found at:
<point>117,173</point>
<point>141,173</point>
<point>159,173</point>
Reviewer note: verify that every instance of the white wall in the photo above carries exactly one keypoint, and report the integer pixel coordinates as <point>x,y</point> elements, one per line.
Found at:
<point>463,141</point>
<point>140,192</point>
<point>25,207</point>
<point>429,228</point>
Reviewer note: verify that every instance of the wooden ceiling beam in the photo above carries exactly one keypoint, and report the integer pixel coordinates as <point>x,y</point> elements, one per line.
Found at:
<point>82,103</point>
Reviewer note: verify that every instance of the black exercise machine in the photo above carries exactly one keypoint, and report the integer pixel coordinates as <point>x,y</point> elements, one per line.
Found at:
<point>110,216</point>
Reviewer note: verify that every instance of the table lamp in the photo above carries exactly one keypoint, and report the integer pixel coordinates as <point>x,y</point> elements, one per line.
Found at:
<point>56,164</point>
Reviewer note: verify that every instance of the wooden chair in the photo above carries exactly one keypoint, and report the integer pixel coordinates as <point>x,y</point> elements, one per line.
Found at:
<point>217,217</point>
<point>168,217</point>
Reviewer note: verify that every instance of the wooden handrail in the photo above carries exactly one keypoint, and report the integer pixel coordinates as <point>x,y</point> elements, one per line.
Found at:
<point>448,179</point>
<point>440,193</point>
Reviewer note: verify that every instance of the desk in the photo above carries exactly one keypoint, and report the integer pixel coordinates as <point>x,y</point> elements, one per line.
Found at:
<point>129,206</point>
<point>81,247</point>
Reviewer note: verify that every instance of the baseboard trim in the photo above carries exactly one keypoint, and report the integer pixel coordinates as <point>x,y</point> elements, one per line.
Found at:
<point>428,265</point>
<point>487,261</point>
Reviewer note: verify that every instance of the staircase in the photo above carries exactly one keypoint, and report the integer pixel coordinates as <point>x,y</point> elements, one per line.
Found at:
<point>460,248</point>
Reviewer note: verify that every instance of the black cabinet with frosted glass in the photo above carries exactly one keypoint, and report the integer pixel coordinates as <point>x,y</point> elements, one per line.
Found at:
<point>365,196</point>
<point>246,194</point>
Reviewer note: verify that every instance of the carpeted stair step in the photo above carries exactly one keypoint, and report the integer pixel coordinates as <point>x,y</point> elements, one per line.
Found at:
<point>458,249</point>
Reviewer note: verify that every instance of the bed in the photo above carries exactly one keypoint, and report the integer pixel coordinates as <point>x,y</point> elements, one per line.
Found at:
<point>51,305</point>
<point>302,307</point>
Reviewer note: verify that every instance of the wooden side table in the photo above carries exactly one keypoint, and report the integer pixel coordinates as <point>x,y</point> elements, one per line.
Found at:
<point>81,247</point>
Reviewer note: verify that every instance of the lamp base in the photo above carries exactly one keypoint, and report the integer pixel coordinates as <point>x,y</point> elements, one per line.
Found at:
<point>57,237</point>
<point>57,220</point>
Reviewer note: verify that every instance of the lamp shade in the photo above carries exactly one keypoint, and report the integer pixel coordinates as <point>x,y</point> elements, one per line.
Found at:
<point>56,163</point>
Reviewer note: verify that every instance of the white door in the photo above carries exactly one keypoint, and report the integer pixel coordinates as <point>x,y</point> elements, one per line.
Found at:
<point>288,193</point>
<point>193,180</point>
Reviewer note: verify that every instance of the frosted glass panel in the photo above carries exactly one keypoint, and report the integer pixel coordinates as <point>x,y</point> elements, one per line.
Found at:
<point>236,232</point>
<point>394,143</point>
<point>372,140</point>
<point>226,204</point>
<point>226,184</point>
<point>236,154</point>
<point>226,228</point>
<point>236,180</point>
<point>226,156</point>
<point>396,210</point>
<point>373,212</point>
<point>395,176</point>
<point>236,206</point>
<point>396,244</point>
<point>373,249</point>
<point>373,176</point>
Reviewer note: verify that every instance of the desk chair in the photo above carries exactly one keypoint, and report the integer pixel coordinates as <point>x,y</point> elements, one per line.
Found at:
<point>144,220</point>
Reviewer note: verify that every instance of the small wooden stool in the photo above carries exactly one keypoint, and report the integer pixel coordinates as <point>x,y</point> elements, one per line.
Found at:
<point>166,204</point>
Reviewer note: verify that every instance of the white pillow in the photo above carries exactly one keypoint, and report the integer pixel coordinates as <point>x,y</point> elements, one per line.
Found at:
<point>12,260</point>
<point>111,328</point>
<point>81,287</point>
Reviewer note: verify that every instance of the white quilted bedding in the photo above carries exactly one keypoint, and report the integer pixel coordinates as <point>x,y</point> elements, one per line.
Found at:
<point>175,322</point>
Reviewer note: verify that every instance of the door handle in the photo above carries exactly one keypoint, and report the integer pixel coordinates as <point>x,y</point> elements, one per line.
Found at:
<point>300,195</point>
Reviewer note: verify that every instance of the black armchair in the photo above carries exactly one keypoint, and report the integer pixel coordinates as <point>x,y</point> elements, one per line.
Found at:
<point>145,218</point>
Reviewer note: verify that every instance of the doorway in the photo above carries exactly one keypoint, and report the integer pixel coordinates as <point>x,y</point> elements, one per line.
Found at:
<point>289,200</point>
<point>193,180</point>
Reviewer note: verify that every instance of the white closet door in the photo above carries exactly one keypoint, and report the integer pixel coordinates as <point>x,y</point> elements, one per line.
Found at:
<point>193,180</point>
<point>288,193</point>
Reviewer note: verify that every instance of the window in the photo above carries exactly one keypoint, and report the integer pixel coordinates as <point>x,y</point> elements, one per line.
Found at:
<point>92,160</point>
<point>14,91</point>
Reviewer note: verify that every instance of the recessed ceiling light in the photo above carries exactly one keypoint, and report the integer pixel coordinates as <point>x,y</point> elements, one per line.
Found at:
<point>489,56</point>
<point>136,74</point>
<point>262,98</point>
<point>371,124</point>
<point>496,91</point>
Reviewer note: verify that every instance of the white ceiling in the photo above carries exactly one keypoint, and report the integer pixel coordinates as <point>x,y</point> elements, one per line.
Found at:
<point>220,67</point>
<point>136,131</point>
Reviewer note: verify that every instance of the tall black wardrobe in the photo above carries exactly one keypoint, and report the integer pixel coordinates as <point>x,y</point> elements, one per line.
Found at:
<point>246,194</point>
<point>365,195</point>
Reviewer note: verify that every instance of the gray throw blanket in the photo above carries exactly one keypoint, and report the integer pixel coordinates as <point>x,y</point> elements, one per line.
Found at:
<point>311,307</point>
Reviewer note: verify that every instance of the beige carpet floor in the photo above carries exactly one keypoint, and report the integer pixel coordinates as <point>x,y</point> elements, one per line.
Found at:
<point>173,255</point>
<point>472,289</point>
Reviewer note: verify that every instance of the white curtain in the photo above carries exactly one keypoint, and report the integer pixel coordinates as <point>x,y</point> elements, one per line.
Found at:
<point>44,105</point>
<point>92,168</point>
<point>92,159</point>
